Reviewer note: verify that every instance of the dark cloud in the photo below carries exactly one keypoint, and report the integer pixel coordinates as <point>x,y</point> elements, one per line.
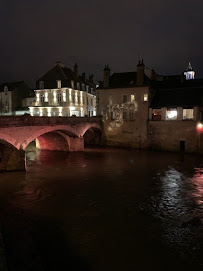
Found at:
<point>35,34</point>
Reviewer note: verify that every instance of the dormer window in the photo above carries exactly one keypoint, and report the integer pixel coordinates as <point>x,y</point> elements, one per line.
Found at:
<point>6,90</point>
<point>78,86</point>
<point>41,84</point>
<point>58,83</point>
<point>72,84</point>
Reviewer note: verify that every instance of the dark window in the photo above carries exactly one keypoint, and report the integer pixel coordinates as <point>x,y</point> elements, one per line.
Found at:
<point>132,115</point>
<point>125,98</point>
<point>182,145</point>
<point>156,114</point>
<point>124,115</point>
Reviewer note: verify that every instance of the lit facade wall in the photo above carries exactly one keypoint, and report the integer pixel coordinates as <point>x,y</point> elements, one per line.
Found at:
<point>125,115</point>
<point>63,102</point>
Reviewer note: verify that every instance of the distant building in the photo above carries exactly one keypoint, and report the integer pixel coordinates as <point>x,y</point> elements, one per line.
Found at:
<point>123,100</point>
<point>63,92</point>
<point>175,112</point>
<point>12,95</point>
<point>145,110</point>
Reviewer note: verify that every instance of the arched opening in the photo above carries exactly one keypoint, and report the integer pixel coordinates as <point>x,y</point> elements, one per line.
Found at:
<point>92,137</point>
<point>11,159</point>
<point>52,141</point>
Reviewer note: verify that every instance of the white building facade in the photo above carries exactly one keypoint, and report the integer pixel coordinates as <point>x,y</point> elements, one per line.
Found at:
<point>63,93</point>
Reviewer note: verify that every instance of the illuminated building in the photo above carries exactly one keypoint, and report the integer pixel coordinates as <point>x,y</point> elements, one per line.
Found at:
<point>124,102</point>
<point>63,92</point>
<point>175,115</point>
<point>145,110</point>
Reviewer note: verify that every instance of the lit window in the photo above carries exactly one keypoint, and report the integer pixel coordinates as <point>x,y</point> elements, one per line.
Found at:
<point>58,83</point>
<point>59,97</point>
<point>156,114</point>
<point>145,97</point>
<point>132,115</point>
<point>42,98</point>
<point>171,114</point>
<point>132,98</point>
<point>124,115</point>
<point>125,98</point>
<point>187,114</point>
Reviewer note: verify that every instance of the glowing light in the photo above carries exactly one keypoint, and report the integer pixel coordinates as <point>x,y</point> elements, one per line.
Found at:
<point>41,112</point>
<point>172,114</point>
<point>70,96</point>
<point>145,97</point>
<point>60,111</point>
<point>49,111</point>
<point>31,111</point>
<point>38,97</point>
<point>72,108</point>
<point>199,127</point>
<point>76,98</point>
<point>64,96</point>
<point>132,98</point>
<point>81,98</point>
<point>55,96</point>
<point>46,97</point>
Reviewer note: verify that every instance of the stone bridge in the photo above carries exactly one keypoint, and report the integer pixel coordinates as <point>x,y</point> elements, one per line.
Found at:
<point>50,133</point>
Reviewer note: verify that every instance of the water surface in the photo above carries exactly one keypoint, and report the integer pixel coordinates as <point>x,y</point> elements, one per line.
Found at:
<point>104,209</point>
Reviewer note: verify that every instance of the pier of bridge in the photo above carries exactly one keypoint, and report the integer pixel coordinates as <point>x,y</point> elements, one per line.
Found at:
<point>50,133</point>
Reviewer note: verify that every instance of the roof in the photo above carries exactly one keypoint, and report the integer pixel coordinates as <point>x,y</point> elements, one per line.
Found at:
<point>125,79</point>
<point>11,85</point>
<point>59,72</point>
<point>184,97</point>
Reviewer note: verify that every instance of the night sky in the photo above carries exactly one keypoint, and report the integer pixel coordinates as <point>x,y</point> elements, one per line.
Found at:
<point>37,33</point>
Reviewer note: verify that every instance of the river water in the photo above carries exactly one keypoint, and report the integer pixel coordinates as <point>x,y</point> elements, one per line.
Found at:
<point>104,209</point>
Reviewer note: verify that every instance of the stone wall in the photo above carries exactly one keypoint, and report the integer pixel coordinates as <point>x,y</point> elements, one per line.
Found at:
<point>124,132</point>
<point>166,136</point>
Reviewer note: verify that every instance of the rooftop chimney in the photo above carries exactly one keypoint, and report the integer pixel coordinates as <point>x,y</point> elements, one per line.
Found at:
<point>140,73</point>
<point>106,76</point>
<point>76,69</point>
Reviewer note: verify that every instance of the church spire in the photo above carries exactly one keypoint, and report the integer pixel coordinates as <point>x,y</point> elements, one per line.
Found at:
<point>189,73</point>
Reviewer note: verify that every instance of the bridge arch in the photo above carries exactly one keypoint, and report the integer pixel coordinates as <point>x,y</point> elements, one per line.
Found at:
<point>93,135</point>
<point>7,138</point>
<point>40,133</point>
<point>90,126</point>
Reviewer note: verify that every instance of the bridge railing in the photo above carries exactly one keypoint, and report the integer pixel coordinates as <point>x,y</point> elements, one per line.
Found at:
<point>18,121</point>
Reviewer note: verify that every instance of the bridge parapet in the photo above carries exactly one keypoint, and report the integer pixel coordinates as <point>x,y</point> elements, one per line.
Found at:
<point>19,121</point>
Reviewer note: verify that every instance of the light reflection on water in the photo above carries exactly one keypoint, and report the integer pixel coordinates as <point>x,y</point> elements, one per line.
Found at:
<point>104,209</point>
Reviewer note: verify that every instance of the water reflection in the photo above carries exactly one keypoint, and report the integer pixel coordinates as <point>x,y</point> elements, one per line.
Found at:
<point>110,209</point>
<point>197,180</point>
